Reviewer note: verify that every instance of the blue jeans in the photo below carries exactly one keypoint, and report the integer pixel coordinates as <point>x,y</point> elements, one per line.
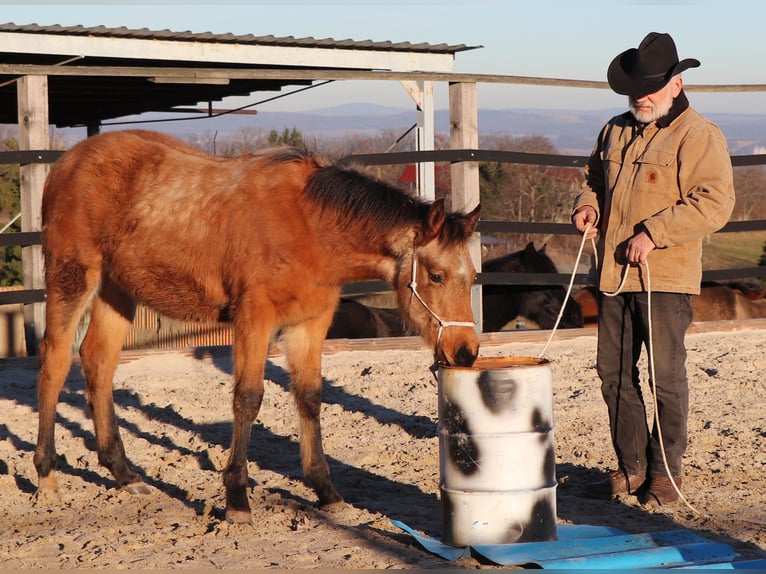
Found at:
<point>623,330</point>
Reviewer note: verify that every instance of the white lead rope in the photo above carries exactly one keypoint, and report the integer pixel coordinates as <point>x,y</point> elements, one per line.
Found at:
<point>650,345</point>
<point>652,374</point>
<point>569,292</point>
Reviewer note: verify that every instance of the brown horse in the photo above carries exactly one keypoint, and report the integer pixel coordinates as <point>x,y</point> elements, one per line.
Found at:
<point>265,241</point>
<point>715,302</point>
<point>729,302</point>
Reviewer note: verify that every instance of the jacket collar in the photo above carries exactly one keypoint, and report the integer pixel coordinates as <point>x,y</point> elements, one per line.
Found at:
<point>679,105</point>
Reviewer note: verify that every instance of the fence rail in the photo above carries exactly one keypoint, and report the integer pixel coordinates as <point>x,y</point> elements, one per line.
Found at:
<point>26,296</point>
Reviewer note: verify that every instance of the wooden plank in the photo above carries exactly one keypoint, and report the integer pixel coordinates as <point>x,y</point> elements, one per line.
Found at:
<point>29,156</point>
<point>33,135</point>
<point>276,73</point>
<point>464,133</point>
<point>21,238</point>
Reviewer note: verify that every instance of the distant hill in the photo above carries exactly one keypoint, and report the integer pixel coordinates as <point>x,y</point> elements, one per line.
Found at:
<point>571,131</point>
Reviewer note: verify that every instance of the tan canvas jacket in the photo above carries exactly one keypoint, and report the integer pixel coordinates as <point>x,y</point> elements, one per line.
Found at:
<point>673,178</point>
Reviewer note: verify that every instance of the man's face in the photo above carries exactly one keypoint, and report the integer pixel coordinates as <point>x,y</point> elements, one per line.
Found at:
<point>652,107</point>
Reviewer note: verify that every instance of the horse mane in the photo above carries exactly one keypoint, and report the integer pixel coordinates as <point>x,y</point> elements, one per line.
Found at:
<point>286,154</point>
<point>354,198</point>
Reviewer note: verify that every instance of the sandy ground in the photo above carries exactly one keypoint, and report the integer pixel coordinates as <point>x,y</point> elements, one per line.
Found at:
<point>379,422</point>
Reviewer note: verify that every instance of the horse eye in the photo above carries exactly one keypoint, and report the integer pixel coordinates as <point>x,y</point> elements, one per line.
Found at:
<point>436,278</point>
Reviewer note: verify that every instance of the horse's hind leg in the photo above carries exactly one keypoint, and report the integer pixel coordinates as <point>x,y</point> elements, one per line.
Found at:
<point>70,285</point>
<point>111,317</point>
<point>304,355</point>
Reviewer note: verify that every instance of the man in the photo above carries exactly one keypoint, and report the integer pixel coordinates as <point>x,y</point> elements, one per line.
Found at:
<point>658,181</point>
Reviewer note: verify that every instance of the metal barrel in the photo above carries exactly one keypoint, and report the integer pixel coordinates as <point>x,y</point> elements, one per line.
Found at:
<point>497,452</point>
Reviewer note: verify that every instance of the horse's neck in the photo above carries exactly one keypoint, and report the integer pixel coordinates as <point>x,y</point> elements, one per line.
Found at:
<point>364,257</point>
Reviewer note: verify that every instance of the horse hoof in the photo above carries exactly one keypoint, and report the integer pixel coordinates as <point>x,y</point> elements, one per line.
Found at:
<point>137,488</point>
<point>334,506</point>
<point>46,497</point>
<point>47,485</point>
<point>238,516</point>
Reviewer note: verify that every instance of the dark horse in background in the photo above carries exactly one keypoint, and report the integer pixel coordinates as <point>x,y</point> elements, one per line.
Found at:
<point>265,241</point>
<point>540,304</point>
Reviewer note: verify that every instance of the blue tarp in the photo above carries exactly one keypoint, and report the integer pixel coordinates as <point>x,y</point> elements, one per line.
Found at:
<point>599,547</point>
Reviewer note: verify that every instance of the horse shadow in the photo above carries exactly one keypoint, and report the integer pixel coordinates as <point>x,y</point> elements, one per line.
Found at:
<point>417,426</point>
<point>354,482</point>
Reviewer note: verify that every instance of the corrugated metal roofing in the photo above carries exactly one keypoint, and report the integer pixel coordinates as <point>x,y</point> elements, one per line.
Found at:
<point>89,99</point>
<point>286,41</point>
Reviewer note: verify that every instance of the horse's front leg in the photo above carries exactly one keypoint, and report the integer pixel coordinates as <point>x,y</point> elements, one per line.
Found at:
<point>251,342</point>
<point>304,356</point>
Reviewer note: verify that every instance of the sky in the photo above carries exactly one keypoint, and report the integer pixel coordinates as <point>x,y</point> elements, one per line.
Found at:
<point>572,39</point>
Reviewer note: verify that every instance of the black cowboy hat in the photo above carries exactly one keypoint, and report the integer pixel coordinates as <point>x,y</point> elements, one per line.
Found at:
<point>648,68</point>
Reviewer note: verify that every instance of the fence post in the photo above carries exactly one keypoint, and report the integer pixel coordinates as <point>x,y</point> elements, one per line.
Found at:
<point>32,95</point>
<point>422,94</point>
<point>464,134</point>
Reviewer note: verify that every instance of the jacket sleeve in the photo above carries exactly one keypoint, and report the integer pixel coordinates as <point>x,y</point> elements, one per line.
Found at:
<point>707,191</point>
<point>592,189</point>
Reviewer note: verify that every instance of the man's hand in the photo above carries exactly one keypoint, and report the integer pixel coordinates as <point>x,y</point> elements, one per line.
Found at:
<point>638,248</point>
<point>584,217</point>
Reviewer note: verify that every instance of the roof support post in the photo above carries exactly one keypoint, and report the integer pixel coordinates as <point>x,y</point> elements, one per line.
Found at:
<point>423,94</point>
<point>464,134</point>
<point>32,95</point>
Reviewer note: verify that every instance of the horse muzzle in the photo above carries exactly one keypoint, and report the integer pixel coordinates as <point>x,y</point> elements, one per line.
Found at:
<point>460,353</point>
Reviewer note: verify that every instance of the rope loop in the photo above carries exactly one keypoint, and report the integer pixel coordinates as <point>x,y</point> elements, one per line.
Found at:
<point>649,345</point>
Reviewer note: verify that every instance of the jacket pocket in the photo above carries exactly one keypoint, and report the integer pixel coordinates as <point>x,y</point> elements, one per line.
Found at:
<point>656,175</point>
<point>612,160</point>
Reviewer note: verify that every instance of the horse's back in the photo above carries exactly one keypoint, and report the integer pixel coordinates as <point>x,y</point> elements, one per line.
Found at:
<point>166,221</point>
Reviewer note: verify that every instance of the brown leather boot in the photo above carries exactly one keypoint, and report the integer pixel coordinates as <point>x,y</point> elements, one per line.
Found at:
<point>660,491</point>
<point>616,482</point>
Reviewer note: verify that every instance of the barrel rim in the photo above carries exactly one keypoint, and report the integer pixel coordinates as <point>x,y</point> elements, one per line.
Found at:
<point>499,364</point>
<point>541,490</point>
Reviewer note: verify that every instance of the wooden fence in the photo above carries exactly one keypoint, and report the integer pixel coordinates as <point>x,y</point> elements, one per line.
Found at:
<point>151,331</point>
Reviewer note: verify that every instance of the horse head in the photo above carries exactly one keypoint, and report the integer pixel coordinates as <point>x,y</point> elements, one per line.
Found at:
<point>434,284</point>
<point>538,303</point>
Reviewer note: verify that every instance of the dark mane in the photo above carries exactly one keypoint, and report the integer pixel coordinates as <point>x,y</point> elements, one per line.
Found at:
<point>359,199</point>
<point>355,197</point>
<point>285,154</point>
<point>454,231</point>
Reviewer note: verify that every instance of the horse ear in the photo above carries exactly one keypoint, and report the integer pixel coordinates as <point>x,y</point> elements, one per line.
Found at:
<point>530,248</point>
<point>470,220</point>
<point>434,221</point>
<point>542,249</point>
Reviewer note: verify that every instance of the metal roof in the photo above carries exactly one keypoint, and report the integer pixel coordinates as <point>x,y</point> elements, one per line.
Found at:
<point>249,39</point>
<point>99,73</point>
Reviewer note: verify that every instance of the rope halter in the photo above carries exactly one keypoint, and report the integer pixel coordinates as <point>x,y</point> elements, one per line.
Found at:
<point>442,324</point>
